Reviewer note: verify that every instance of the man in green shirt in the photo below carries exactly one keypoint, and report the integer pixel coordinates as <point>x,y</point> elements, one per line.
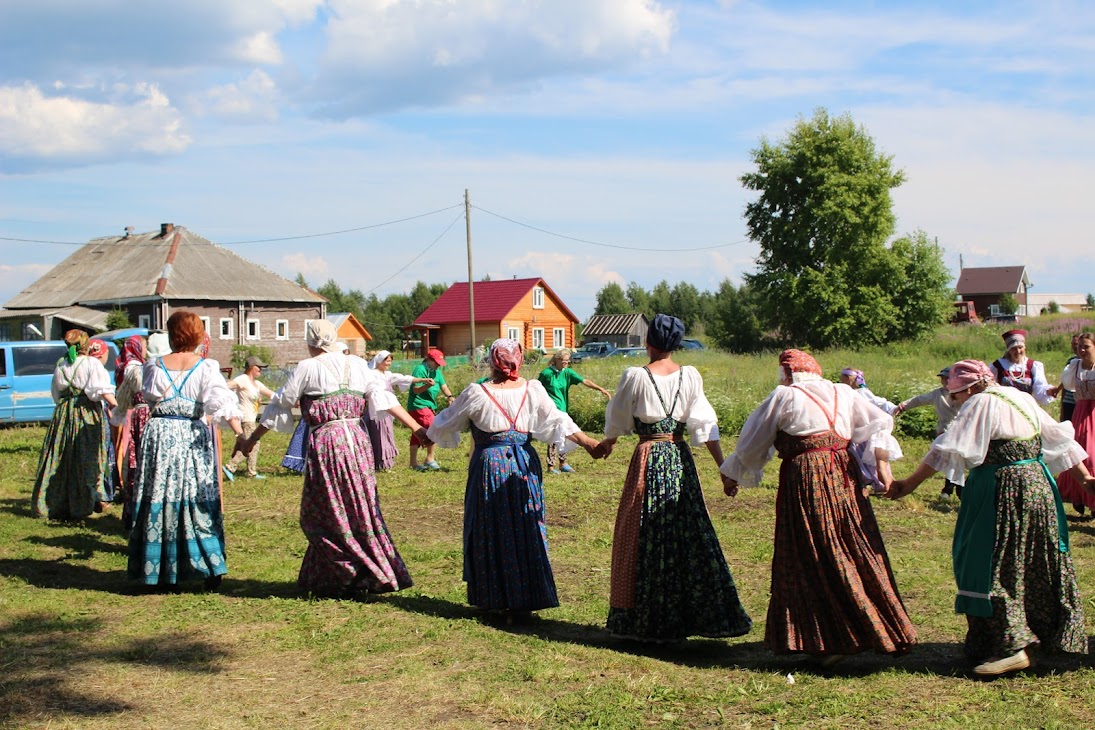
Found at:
<point>422,403</point>
<point>557,379</point>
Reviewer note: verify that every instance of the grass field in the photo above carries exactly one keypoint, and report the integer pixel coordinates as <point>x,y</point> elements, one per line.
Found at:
<point>81,647</point>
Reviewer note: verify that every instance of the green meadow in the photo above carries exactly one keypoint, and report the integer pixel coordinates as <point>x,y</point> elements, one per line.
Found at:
<point>82,647</point>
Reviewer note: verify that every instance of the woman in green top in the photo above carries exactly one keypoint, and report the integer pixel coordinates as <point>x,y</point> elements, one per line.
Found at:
<point>557,378</point>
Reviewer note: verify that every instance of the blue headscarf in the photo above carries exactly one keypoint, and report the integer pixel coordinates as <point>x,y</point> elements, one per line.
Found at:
<point>665,333</point>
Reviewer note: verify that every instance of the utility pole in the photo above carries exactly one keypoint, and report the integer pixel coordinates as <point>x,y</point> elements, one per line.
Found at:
<point>471,280</point>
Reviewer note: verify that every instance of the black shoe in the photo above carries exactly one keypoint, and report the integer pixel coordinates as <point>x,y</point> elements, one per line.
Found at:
<point>1079,507</point>
<point>213,582</point>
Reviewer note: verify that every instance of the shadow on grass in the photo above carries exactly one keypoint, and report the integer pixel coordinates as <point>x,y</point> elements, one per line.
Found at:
<point>46,659</point>
<point>17,507</point>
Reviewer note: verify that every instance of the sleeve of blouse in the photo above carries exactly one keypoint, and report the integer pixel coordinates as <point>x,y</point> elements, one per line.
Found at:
<point>376,391</point>
<point>401,381</point>
<point>754,447</point>
<point>883,404</point>
<point>127,391</point>
<point>919,401</point>
<point>98,380</point>
<point>870,423</point>
<point>700,420</point>
<point>620,411</point>
<point>278,415</point>
<point>448,424</point>
<point>1068,375</point>
<point>54,385</point>
<point>966,441</point>
<point>1060,450</point>
<point>220,402</point>
<point>547,423</point>
<point>1040,386</point>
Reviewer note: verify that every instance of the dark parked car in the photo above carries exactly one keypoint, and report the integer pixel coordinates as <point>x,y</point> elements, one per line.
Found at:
<point>592,351</point>
<point>691,344</point>
<point>630,352</point>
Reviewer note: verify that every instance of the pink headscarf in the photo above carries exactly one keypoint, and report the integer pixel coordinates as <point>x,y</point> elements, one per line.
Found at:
<point>96,348</point>
<point>132,351</point>
<point>203,349</point>
<point>965,373</point>
<point>856,375</point>
<point>506,357</point>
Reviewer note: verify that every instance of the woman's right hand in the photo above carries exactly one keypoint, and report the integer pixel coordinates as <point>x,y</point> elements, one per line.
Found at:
<point>729,486</point>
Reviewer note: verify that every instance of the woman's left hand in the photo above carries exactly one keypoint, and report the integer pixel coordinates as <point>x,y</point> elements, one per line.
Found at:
<point>729,486</point>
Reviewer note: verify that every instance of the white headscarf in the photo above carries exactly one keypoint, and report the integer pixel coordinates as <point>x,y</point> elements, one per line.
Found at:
<point>158,345</point>
<point>379,358</point>
<point>322,335</point>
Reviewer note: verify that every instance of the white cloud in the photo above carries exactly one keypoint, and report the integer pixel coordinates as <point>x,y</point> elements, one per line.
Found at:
<point>259,48</point>
<point>14,278</point>
<point>253,99</point>
<point>575,278</point>
<point>69,130</point>
<point>302,263</point>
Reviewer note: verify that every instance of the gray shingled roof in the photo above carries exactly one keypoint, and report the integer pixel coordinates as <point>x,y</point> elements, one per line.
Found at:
<point>113,269</point>
<point>991,280</point>
<point>614,324</point>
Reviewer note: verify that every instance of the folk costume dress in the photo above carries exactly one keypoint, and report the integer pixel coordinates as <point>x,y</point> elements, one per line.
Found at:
<point>833,591</point>
<point>131,416</point>
<point>1082,382</point>
<point>74,469</point>
<point>506,563</point>
<point>381,428</point>
<point>1016,581</point>
<point>298,445</point>
<point>349,546</point>
<point>670,579</point>
<point>1026,375</point>
<point>178,527</point>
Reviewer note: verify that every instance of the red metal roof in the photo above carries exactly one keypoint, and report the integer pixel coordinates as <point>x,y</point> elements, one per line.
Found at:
<point>493,301</point>
<point>992,280</point>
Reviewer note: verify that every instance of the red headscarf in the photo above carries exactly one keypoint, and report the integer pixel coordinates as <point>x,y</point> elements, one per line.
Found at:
<point>966,373</point>
<point>203,349</point>
<point>96,348</point>
<point>506,357</point>
<point>797,361</point>
<point>132,351</point>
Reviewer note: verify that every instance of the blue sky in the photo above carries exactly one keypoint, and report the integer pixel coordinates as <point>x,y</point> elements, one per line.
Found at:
<point>622,122</point>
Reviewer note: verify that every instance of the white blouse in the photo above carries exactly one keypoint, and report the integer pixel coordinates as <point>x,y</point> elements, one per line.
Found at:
<point>986,417</point>
<point>127,390</point>
<point>1076,378</point>
<point>323,374</point>
<point>205,385</point>
<point>635,397</point>
<point>86,374</point>
<point>539,416</point>
<point>876,400</point>
<point>1039,385</point>
<point>791,410</point>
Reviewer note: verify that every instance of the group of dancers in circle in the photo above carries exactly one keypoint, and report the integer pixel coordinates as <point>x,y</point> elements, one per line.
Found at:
<point>833,591</point>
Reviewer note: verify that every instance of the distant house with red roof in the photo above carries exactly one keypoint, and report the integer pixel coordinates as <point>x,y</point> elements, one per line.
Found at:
<point>985,285</point>
<point>526,310</point>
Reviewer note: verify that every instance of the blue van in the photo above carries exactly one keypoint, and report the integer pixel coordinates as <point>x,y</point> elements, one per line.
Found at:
<point>26,374</point>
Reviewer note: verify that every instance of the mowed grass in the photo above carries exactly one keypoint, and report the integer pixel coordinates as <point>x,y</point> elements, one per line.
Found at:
<point>81,647</point>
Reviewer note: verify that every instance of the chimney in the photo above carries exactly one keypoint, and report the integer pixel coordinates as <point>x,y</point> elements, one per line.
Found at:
<point>166,229</point>
<point>128,231</point>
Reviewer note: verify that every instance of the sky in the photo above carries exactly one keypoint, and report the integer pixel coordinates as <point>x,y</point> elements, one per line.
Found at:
<point>598,140</point>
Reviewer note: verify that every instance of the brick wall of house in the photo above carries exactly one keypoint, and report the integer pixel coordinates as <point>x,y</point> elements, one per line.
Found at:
<point>227,328</point>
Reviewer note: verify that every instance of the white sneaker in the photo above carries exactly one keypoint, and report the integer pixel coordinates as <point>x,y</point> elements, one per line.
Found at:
<point>995,667</point>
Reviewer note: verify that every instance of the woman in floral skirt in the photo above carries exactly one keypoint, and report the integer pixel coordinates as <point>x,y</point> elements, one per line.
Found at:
<point>350,552</point>
<point>833,592</point>
<point>670,579</point>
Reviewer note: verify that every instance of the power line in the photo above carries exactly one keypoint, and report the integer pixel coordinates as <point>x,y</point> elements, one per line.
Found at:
<point>256,240</point>
<point>608,245</point>
<point>420,255</point>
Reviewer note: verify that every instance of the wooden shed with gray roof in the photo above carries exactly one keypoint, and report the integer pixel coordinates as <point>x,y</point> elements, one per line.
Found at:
<point>150,276</point>
<point>622,330</point>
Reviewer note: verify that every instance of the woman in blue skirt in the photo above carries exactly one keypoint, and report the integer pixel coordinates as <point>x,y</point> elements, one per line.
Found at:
<point>505,533</point>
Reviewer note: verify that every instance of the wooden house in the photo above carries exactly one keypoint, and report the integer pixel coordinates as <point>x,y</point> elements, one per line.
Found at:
<point>984,286</point>
<point>622,330</point>
<point>150,276</point>
<point>526,310</point>
<point>351,331</point>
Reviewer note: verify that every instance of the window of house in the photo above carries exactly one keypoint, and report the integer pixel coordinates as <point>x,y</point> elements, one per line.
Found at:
<point>558,337</point>
<point>205,324</point>
<point>144,320</point>
<point>227,328</point>
<point>538,298</point>
<point>282,331</point>
<point>5,331</point>
<point>537,337</point>
<point>994,310</point>
<point>253,329</point>
<point>514,333</point>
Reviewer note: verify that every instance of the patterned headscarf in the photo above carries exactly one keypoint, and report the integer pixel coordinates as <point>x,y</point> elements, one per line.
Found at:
<point>132,351</point>
<point>966,373</point>
<point>321,335</point>
<point>801,365</point>
<point>379,358</point>
<point>77,344</point>
<point>202,350</point>
<point>96,348</point>
<point>506,357</point>
<point>856,375</point>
